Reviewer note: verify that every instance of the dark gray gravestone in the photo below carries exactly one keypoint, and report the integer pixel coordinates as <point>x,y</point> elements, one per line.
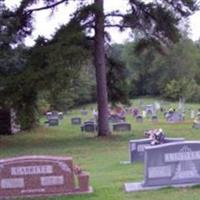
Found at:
<point>122,126</point>
<point>53,121</point>
<point>136,148</point>
<point>154,119</point>
<point>173,164</point>
<point>52,118</point>
<point>139,118</point>
<point>60,115</point>
<point>89,126</point>
<point>116,119</point>
<point>76,120</point>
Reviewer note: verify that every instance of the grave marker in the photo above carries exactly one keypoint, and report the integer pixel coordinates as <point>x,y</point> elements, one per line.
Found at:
<point>121,126</point>
<point>154,119</point>
<point>89,126</point>
<point>139,119</point>
<point>76,120</point>
<point>173,164</point>
<point>30,176</point>
<point>137,147</point>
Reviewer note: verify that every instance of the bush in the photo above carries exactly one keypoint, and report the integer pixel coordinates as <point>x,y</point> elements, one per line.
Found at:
<point>186,88</point>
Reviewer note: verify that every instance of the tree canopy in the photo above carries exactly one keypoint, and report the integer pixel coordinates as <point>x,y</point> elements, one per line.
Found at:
<point>157,23</point>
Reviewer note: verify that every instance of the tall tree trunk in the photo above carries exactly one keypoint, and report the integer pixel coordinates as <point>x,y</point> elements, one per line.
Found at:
<point>99,60</point>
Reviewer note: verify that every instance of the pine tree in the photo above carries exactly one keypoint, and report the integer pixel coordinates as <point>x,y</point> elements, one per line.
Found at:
<point>157,22</point>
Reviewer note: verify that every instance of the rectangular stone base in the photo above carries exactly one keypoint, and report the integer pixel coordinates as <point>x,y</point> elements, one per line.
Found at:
<point>136,187</point>
<point>47,195</point>
<point>125,162</point>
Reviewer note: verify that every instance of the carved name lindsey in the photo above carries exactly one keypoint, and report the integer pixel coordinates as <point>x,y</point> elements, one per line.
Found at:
<point>31,170</point>
<point>182,156</point>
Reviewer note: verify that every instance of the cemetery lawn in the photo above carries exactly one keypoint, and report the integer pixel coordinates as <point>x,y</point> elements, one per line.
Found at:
<point>101,156</point>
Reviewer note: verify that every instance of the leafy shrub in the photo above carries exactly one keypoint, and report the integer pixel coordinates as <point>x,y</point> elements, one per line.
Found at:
<point>186,88</point>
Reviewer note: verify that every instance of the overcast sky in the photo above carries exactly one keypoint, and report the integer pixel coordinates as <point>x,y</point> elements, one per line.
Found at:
<point>46,25</point>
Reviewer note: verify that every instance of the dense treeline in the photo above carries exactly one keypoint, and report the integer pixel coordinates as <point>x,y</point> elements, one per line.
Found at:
<point>170,74</point>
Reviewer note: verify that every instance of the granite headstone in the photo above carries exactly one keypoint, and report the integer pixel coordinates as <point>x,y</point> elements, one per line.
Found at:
<point>76,120</point>
<point>136,148</point>
<point>35,176</point>
<point>173,164</point>
<point>122,126</point>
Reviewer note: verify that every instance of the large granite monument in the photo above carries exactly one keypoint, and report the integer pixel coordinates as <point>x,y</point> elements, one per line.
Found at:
<point>136,148</point>
<point>35,176</point>
<point>173,164</point>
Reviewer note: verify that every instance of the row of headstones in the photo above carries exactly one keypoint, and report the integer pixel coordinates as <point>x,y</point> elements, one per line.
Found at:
<point>175,163</point>
<point>91,125</point>
<point>175,117</point>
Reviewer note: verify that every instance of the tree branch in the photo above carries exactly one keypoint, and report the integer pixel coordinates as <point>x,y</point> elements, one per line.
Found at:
<point>118,26</point>
<point>47,7</point>
<point>114,15</point>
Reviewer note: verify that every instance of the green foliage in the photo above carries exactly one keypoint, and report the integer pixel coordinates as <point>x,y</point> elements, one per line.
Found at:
<point>117,74</point>
<point>150,72</point>
<point>68,74</point>
<point>189,89</point>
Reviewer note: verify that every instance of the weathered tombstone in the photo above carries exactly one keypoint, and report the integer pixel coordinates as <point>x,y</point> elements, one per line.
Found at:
<point>192,114</point>
<point>8,124</point>
<point>174,164</point>
<point>76,120</point>
<point>84,112</point>
<point>48,114</point>
<point>174,117</point>
<point>137,147</point>
<point>89,126</point>
<point>157,105</point>
<point>150,110</point>
<point>60,115</point>
<point>116,119</point>
<point>139,119</point>
<point>53,121</point>
<point>154,119</point>
<point>35,176</point>
<point>181,105</point>
<point>52,118</point>
<point>122,126</point>
<point>144,114</point>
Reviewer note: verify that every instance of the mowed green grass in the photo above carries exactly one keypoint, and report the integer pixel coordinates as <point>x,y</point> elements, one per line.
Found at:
<point>101,156</point>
